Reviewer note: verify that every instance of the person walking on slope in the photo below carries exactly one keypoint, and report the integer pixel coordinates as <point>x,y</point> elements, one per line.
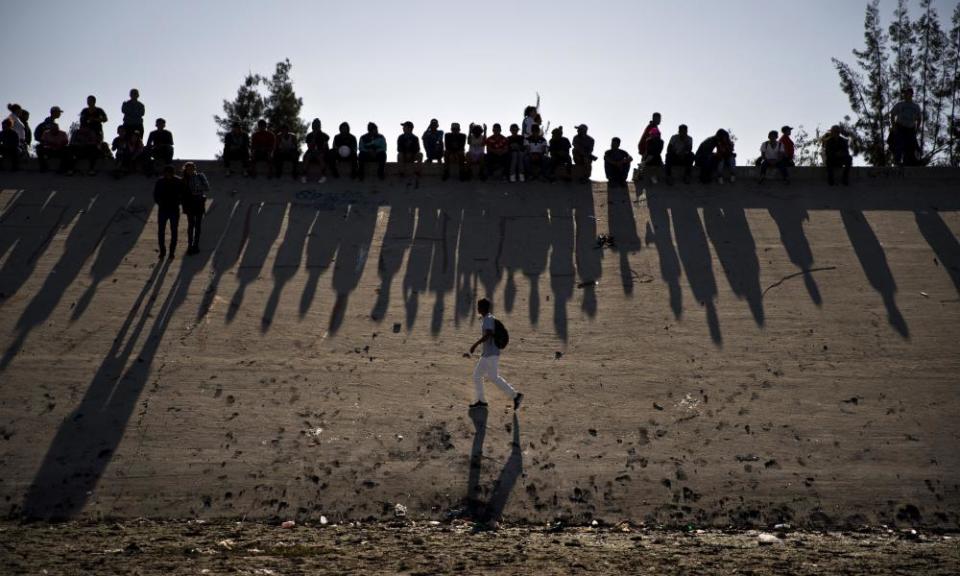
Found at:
<point>489,359</point>
<point>168,193</point>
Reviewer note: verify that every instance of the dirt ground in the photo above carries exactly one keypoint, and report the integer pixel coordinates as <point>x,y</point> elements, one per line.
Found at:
<point>692,358</point>
<point>144,548</point>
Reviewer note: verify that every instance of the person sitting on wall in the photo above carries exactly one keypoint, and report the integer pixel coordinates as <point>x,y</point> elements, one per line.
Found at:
<point>616,164</point>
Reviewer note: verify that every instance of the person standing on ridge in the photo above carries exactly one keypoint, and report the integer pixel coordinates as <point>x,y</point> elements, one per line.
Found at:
<point>905,119</point>
<point>168,192</point>
<point>133,112</point>
<point>93,116</point>
<point>651,146</point>
<point>489,363</point>
<point>195,188</point>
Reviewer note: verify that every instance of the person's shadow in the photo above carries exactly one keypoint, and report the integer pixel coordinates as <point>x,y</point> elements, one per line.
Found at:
<point>486,514</point>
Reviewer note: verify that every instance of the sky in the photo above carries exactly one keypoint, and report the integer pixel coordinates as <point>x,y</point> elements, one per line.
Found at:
<point>746,65</point>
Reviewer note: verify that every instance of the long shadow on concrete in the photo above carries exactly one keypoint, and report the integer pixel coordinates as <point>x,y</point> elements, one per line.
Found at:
<point>659,233</point>
<point>80,244</point>
<point>873,260</point>
<point>499,493</point>
<point>697,263</point>
<point>623,228</point>
<point>729,232</point>
<point>289,255</point>
<point>261,228</point>
<point>941,239</point>
<point>789,219</point>
<point>359,226</point>
<point>88,438</point>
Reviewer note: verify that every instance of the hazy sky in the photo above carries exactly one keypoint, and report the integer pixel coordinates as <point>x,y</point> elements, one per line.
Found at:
<point>747,65</point>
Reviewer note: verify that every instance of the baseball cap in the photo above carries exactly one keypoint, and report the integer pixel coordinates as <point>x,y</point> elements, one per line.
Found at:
<point>407,123</point>
<point>785,128</point>
<point>56,109</point>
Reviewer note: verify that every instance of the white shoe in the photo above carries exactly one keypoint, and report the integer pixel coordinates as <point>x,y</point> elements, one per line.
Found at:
<point>522,179</point>
<point>303,179</point>
<point>322,180</point>
<point>513,177</point>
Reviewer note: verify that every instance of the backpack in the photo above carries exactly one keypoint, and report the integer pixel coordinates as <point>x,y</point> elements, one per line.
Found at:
<point>500,335</point>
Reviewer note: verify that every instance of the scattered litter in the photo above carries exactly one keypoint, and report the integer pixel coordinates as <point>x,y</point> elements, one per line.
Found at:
<point>782,527</point>
<point>399,436</point>
<point>323,520</point>
<point>747,458</point>
<point>288,524</point>
<point>606,241</point>
<point>924,294</point>
<point>434,522</point>
<point>588,284</point>
<point>557,355</point>
<point>226,544</point>
<point>396,327</point>
<point>400,511</point>
<point>768,539</point>
<point>657,406</point>
<point>594,523</point>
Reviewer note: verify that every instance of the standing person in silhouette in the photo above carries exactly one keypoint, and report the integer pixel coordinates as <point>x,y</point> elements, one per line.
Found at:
<point>905,119</point>
<point>651,146</point>
<point>93,117</point>
<point>133,112</point>
<point>489,363</point>
<point>168,193</point>
<point>195,188</point>
<point>616,164</point>
<point>680,154</point>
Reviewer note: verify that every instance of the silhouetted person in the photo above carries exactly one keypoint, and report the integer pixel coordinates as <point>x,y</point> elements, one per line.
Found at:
<point>583,156</point>
<point>433,142</point>
<point>318,151</point>
<point>345,148</point>
<point>726,157</point>
<point>48,122</point>
<point>489,364</point>
<point>535,154</point>
<point>287,150</point>
<point>905,119</point>
<point>650,147</point>
<point>408,150</point>
<point>123,159</point>
<point>715,156</point>
<point>498,153</point>
<point>133,112</point>
<point>53,143</point>
<point>529,119</point>
<point>560,154</point>
<point>789,148</point>
<point>194,200</point>
<point>476,142</point>
<point>679,154</point>
<point>772,154</point>
<point>93,117</point>
<point>84,145</point>
<point>516,144</point>
<point>159,148</point>
<point>24,116</point>
<point>236,148</point>
<point>16,124</point>
<point>616,164</point>
<point>168,193</point>
<point>454,143</point>
<point>263,144</point>
<point>372,148</point>
<point>9,145</point>
<point>836,150</point>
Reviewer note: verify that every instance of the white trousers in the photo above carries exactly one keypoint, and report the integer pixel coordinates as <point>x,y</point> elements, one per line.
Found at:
<point>489,366</point>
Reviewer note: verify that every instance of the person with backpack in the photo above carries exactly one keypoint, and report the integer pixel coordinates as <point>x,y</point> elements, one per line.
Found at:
<point>194,202</point>
<point>495,338</point>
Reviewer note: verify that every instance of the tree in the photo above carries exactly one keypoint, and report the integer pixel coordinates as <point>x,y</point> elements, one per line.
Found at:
<point>902,42</point>
<point>951,85</point>
<point>931,93</point>
<point>283,105</point>
<point>807,149</point>
<point>245,109</point>
<point>868,96</point>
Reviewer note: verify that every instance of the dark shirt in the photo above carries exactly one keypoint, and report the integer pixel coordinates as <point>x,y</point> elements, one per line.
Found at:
<point>618,156</point>
<point>318,142</point>
<point>837,149</point>
<point>9,139</point>
<point>93,118</point>
<point>160,138</point>
<point>583,143</point>
<point>433,142</point>
<point>43,127</point>
<point>408,144</point>
<point>236,142</point>
<point>133,112</point>
<point>455,142</point>
<point>515,142</point>
<point>706,147</point>
<point>559,146</point>
<point>168,193</point>
<point>264,140</point>
<point>348,140</point>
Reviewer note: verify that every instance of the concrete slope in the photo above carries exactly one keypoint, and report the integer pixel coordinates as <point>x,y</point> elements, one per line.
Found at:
<point>740,354</point>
